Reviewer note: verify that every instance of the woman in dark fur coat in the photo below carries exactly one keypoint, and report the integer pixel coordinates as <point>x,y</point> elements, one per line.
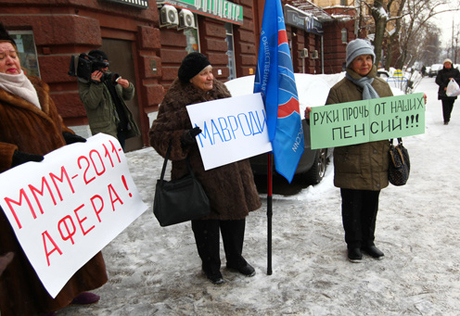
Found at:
<point>230,188</point>
<point>30,128</point>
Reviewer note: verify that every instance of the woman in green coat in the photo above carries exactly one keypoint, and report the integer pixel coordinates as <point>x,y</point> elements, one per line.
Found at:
<point>361,171</point>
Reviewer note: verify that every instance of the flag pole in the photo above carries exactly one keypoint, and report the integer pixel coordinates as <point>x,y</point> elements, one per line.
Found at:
<point>275,79</point>
<point>269,214</point>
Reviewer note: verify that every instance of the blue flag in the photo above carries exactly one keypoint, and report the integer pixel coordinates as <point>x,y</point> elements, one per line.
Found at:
<point>275,79</point>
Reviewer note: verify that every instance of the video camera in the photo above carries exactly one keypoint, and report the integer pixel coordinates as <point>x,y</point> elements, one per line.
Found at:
<point>84,65</point>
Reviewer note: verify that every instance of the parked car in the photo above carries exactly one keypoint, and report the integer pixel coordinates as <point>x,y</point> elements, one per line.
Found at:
<point>427,71</point>
<point>383,73</point>
<point>435,69</point>
<point>312,91</point>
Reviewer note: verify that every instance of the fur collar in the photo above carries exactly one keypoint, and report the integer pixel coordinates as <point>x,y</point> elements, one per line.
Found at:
<point>181,94</point>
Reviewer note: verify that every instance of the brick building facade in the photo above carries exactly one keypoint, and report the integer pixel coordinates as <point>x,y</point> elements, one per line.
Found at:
<point>147,47</point>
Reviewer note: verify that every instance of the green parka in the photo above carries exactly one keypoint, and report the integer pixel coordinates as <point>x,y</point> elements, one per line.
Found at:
<point>101,110</point>
<point>362,166</point>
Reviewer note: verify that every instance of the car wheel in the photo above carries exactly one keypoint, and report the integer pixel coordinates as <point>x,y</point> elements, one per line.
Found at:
<point>318,170</point>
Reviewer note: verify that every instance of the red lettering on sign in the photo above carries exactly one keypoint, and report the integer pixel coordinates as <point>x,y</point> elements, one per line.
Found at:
<point>69,232</point>
<point>42,192</point>
<point>61,179</point>
<point>22,194</point>
<point>97,211</point>
<point>46,236</point>
<point>80,221</point>
<point>113,194</point>
<point>85,173</point>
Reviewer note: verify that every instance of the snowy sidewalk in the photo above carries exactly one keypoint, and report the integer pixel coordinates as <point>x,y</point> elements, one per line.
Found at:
<point>156,271</point>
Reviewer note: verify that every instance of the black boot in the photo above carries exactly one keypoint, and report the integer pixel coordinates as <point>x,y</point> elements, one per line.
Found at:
<point>233,237</point>
<point>206,234</point>
<point>355,255</point>
<point>373,251</point>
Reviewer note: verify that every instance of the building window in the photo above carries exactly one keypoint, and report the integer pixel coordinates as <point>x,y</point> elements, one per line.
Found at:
<point>192,40</point>
<point>344,36</point>
<point>343,2</point>
<point>27,51</point>
<point>230,51</point>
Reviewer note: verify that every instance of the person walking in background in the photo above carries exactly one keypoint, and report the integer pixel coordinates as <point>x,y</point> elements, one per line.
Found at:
<point>104,99</point>
<point>423,71</point>
<point>31,128</point>
<point>230,188</point>
<point>445,75</point>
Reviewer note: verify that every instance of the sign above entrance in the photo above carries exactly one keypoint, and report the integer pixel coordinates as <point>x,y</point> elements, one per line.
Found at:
<point>294,17</point>
<point>313,25</point>
<point>143,4</point>
<point>220,9</point>
<point>302,20</point>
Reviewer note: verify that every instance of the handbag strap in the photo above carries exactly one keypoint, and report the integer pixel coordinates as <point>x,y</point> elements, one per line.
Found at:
<point>400,142</point>
<point>398,149</point>
<point>163,170</point>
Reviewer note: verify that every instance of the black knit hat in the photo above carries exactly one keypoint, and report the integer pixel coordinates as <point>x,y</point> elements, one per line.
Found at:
<point>98,54</point>
<point>4,36</point>
<point>192,65</point>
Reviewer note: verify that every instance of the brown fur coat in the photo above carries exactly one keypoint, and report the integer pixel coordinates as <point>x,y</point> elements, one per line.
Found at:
<point>231,187</point>
<point>26,128</point>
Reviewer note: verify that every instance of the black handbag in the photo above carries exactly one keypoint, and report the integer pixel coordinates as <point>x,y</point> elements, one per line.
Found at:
<point>399,167</point>
<point>179,200</point>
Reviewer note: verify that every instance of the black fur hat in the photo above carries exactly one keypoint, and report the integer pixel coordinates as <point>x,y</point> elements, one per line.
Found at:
<point>192,65</point>
<point>4,36</point>
<point>98,54</point>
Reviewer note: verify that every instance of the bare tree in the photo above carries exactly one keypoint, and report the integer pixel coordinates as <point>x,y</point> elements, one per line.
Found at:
<point>417,15</point>
<point>413,15</point>
<point>424,47</point>
<point>381,11</point>
<point>394,35</point>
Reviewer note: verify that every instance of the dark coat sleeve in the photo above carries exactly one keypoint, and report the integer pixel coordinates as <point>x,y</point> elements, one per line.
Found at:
<point>443,79</point>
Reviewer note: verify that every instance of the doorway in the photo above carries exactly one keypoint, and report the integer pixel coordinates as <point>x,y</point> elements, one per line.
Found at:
<point>120,54</point>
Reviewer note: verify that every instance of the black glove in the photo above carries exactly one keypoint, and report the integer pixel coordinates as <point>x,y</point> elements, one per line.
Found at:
<point>72,138</point>
<point>20,157</point>
<point>189,136</point>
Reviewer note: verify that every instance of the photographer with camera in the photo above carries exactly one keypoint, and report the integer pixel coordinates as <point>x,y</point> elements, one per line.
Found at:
<point>104,94</point>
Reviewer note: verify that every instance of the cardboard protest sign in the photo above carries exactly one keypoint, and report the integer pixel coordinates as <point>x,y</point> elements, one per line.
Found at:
<point>232,129</point>
<point>367,120</point>
<point>68,207</point>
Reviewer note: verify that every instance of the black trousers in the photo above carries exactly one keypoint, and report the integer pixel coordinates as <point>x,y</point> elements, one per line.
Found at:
<point>359,213</point>
<point>208,242</point>
<point>122,139</point>
<point>447,106</point>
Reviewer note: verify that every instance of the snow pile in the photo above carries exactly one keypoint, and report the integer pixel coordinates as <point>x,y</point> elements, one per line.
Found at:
<point>312,90</point>
<point>156,271</point>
